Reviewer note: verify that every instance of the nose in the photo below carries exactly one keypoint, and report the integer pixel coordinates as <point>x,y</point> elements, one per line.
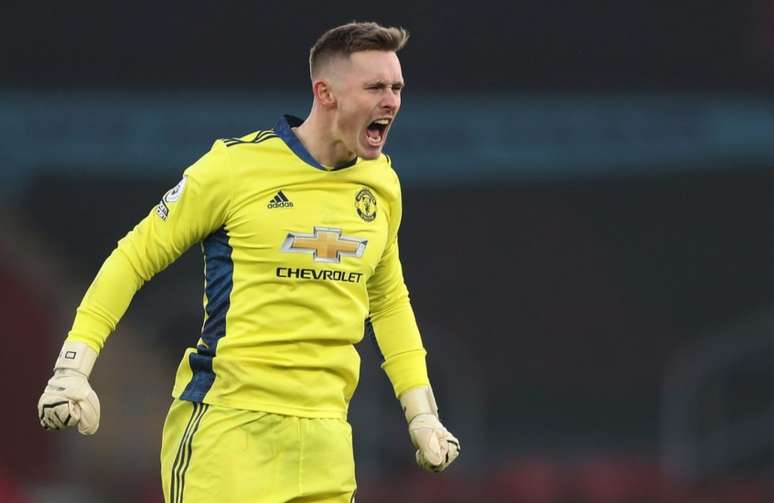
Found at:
<point>390,101</point>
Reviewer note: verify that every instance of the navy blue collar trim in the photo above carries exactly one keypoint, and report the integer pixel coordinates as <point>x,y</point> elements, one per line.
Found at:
<point>284,130</point>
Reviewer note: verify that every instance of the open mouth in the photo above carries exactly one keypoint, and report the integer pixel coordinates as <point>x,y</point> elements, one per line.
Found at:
<point>377,131</point>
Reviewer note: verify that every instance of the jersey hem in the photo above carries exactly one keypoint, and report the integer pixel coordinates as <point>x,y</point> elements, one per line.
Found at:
<point>282,410</point>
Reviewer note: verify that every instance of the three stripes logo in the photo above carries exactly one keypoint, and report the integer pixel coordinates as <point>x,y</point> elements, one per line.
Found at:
<point>259,137</point>
<point>280,201</point>
<point>185,452</point>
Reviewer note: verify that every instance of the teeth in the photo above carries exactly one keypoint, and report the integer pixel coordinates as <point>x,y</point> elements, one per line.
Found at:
<point>382,122</point>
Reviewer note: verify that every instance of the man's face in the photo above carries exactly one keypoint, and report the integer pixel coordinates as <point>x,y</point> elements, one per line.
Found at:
<point>367,89</point>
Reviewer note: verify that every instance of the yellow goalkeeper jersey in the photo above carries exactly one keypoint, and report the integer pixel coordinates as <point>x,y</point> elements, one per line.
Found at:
<point>299,261</point>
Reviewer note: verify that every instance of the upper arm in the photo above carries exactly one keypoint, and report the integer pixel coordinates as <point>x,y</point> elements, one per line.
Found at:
<point>186,214</point>
<point>387,287</point>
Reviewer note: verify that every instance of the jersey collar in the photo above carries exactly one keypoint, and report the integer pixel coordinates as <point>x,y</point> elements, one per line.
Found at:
<point>284,130</point>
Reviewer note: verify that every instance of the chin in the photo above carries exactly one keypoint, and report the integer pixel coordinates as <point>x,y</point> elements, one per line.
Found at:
<point>370,155</point>
<point>369,152</point>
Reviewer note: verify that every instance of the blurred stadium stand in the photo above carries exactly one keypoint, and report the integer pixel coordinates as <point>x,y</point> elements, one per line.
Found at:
<point>513,138</point>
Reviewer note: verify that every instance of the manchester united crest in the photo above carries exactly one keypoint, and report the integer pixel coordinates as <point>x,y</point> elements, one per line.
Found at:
<point>365,204</point>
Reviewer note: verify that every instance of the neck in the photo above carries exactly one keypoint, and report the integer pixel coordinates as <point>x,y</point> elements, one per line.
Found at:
<point>317,136</point>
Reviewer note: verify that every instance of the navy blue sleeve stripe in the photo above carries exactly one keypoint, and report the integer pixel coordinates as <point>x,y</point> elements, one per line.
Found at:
<point>219,274</point>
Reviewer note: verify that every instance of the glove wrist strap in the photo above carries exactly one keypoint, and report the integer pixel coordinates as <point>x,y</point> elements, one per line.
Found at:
<point>78,356</point>
<point>418,401</point>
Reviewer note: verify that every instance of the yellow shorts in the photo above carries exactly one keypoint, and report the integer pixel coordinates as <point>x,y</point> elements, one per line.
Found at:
<point>211,453</point>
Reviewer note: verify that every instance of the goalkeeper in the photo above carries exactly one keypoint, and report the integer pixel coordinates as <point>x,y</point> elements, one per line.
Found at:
<point>298,226</point>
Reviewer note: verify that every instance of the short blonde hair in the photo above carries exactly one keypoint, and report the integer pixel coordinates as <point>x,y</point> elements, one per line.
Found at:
<point>353,37</point>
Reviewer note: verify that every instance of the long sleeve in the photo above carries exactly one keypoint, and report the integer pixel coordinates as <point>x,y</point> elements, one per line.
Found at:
<point>392,318</point>
<point>186,214</point>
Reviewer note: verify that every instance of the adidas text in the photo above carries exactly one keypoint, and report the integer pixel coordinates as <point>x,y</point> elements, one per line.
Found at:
<point>283,204</point>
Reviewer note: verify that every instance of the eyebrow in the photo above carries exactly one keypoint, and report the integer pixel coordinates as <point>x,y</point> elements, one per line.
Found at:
<point>380,82</point>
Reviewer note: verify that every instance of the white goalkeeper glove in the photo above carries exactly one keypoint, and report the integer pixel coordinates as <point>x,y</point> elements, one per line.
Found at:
<point>68,398</point>
<point>436,447</point>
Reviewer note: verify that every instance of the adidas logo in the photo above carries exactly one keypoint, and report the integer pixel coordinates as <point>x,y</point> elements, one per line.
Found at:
<point>280,201</point>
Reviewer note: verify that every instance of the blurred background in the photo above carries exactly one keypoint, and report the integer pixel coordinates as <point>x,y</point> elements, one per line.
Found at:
<point>598,301</point>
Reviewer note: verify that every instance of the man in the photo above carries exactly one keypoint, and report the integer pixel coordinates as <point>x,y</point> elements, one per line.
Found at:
<point>298,227</point>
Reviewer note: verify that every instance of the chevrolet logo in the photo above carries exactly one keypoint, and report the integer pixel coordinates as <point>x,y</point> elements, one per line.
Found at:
<point>326,245</point>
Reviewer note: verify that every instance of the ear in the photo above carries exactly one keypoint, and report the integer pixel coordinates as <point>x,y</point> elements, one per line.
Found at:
<point>323,93</point>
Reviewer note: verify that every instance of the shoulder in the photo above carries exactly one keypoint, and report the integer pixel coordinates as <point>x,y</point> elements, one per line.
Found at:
<point>388,172</point>
<point>228,157</point>
<point>235,152</point>
<point>383,179</point>
<point>381,167</point>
